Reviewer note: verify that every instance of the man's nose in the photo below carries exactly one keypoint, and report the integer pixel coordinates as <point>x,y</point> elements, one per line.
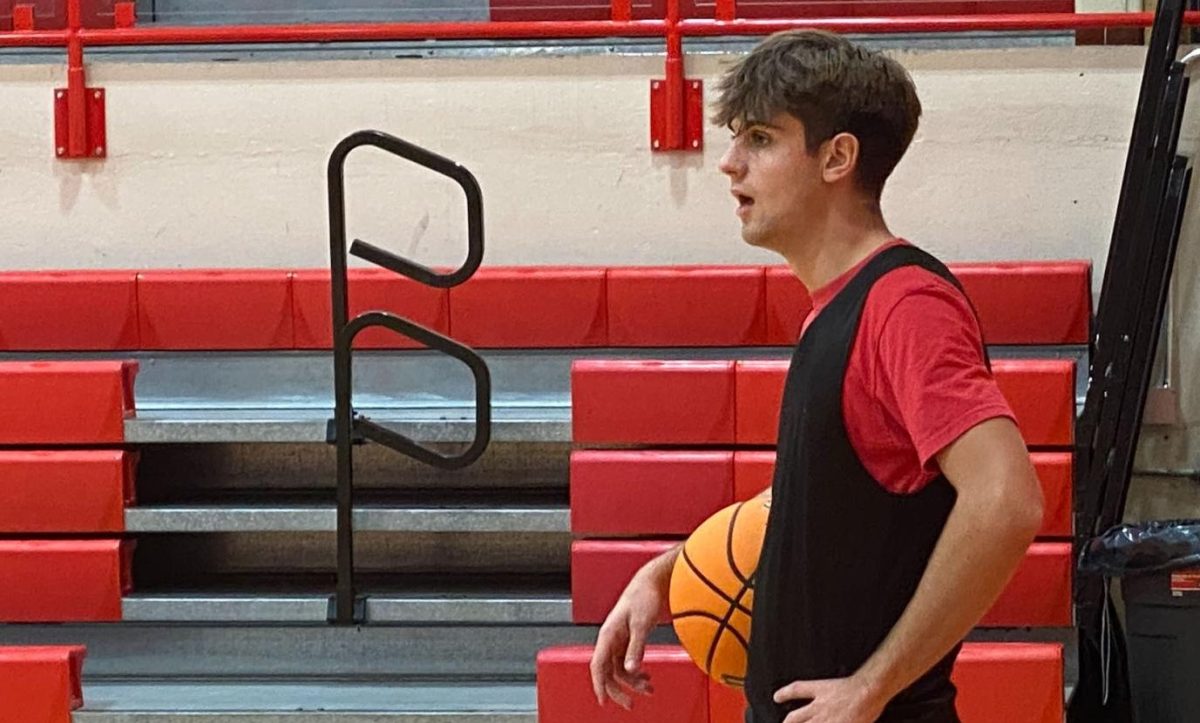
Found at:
<point>731,162</point>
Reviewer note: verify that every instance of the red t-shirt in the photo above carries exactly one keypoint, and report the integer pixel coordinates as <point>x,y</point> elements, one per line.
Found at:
<point>916,378</point>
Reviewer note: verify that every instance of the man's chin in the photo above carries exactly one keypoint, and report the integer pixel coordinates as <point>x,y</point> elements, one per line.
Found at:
<point>757,240</point>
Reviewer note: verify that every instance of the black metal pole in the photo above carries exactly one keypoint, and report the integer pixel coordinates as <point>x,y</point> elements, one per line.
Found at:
<point>343,603</point>
<point>346,608</point>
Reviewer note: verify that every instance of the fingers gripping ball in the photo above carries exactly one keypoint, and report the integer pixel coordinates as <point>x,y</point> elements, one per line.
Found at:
<point>712,589</point>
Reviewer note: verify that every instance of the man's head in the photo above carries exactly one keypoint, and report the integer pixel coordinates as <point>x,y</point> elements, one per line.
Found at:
<point>855,110</point>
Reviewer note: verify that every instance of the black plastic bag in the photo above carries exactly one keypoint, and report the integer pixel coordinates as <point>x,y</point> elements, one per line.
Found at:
<point>1143,548</point>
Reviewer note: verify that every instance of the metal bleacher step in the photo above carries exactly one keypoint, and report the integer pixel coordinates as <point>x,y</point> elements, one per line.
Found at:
<point>323,518</point>
<point>310,424</point>
<point>308,702</point>
<point>491,606</point>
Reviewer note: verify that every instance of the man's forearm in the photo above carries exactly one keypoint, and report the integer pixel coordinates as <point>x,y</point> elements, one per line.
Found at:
<point>980,548</point>
<point>659,569</point>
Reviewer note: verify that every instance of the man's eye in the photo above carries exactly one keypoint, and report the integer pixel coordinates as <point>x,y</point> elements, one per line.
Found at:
<point>759,139</point>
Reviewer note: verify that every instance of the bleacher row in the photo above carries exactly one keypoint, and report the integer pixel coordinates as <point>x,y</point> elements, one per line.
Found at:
<point>647,404</point>
<point>659,444</point>
<point>1036,303</point>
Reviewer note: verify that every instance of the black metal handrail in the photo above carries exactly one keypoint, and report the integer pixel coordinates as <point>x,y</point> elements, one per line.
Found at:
<point>1128,319</point>
<point>350,427</point>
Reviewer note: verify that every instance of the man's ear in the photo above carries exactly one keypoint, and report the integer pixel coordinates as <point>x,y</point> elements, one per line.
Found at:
<point>841,158</point>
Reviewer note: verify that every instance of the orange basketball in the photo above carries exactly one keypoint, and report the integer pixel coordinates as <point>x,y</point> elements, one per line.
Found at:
<point>712,589</point>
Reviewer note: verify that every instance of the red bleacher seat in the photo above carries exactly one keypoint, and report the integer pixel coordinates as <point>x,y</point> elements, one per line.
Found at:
<point>997,683</point>
<point>660,402</point>
<point>759,392</point>
<point>788,303</point>
<point>1019,303</point>
<point>1056,471</point>
<point>600,570</point>
<point>753,471</point>
<point>1039,594</point>
<point>725,704</point>
<point>638,493</point>
<point>629,402</point>
<point>1041,393</point>
<point>532,307</point>
<point>69,311</point>
<point>1010,683</point>
<point>65,402</point>
<point>1030,302</point>
<point>502,307</point>
<point>215,310</point>
<point>369,290</point>
<point>564,689</point>
<point>40,684</point>
<point>52,491</point>
<point>686,306</point>
<point>56,581</point>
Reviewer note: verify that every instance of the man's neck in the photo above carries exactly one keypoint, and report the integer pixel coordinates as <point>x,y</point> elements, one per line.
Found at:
<point>836,244</point>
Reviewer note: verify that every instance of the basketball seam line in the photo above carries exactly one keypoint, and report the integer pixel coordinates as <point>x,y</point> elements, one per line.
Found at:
<point>737,571</point>
<point>709,616</point>
<point>724,625</point>
<point>713,586</point>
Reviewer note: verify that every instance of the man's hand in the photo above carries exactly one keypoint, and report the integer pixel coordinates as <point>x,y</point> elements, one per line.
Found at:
<point>617,659</point>
<point>842,700</point>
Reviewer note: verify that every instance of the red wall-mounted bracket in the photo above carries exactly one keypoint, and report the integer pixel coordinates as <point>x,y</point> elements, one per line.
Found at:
<point>89,116</point>
<point>22,18</point>
<point>124,14</point>
<point>79,123</point>
<point>676,102</point>
<point>686,114</point>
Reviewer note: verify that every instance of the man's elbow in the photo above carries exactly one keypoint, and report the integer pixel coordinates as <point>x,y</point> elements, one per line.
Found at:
<point>1026,507</point>
<point>1012,507</point>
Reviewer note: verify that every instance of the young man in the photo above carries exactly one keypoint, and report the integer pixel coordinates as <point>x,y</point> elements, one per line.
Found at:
<point>904,497</point>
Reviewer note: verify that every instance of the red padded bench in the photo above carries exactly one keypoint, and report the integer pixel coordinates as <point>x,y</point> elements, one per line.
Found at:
<point>65,402</point>
<point>674,491</point>
<point>1046,303</point>
<point>997,682</point>
<point>1039,595</point>
<point>725,402</point>
<point>51,491</point>
<point>69,310</point>
<point>216,309</point>
<point>40,684</point>
<point>57,581</point>
<point>371,289</point>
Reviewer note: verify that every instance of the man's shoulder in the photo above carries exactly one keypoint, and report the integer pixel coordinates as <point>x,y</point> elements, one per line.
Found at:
<point>917,285</point>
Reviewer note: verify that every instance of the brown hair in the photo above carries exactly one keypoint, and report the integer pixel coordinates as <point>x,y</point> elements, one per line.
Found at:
<point>832,86</point>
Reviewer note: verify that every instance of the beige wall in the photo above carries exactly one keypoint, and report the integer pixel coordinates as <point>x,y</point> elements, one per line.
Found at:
<point>222,164</point>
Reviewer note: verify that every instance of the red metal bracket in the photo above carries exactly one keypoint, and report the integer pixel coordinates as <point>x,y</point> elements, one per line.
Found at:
<point>92,118</point>
<point>22,18</point>
<point>124,14</point>
<point>689,117</point>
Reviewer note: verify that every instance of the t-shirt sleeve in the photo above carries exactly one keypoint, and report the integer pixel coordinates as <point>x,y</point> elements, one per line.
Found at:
<point>931,369</point>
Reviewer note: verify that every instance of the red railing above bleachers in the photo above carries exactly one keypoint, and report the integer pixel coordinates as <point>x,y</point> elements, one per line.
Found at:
<point>676,108</point>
